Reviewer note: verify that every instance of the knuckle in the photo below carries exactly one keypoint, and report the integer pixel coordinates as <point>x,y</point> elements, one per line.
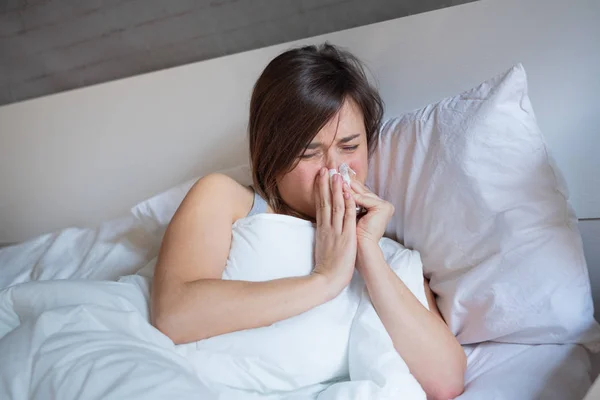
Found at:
<point>338,208</point>
<point>390,207</point>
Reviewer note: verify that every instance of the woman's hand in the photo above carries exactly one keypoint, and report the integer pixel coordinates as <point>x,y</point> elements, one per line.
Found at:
<point>335,242</point>
<point>371,226</point>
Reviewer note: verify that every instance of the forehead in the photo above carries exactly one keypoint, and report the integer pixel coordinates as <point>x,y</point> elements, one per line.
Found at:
<point>348,121</point>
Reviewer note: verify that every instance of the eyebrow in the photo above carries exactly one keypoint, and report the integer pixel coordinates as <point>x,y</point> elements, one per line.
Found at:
<point>347,139</point>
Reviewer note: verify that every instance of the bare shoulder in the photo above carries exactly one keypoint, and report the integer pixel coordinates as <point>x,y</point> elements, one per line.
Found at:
<point>219,191</point>
<point>200,232</point>
<point>197,240</point>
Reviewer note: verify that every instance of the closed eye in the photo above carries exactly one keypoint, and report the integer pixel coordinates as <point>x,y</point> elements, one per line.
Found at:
<point>350,148</point>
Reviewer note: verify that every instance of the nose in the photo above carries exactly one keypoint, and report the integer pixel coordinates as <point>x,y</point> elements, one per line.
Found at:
<point>333,159</point>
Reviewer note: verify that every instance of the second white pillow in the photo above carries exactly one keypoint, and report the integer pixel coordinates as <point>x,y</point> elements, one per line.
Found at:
<point>478,195</point>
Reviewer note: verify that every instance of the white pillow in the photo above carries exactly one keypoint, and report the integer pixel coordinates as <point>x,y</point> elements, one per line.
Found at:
<point>156,212</point>
<point>477,194</point>
<point>340,338</point>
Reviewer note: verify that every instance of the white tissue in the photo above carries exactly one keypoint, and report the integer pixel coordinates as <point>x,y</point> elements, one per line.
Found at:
<point>344,171</point>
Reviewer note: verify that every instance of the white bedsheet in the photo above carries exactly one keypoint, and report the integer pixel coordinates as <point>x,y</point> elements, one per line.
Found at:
<point>92,339</point>
<point>503,371</point>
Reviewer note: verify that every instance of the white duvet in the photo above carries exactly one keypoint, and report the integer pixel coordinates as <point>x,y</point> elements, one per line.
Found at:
<point>92,340</point>
<point>87,340</point>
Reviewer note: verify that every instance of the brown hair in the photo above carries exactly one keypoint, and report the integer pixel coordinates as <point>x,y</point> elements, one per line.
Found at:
<point>295,96</point>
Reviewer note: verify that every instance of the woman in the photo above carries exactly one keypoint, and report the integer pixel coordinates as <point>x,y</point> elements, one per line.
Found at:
<point>312,109</point>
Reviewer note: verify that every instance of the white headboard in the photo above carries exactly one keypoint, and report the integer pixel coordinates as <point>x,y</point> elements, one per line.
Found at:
<point>84,156</point>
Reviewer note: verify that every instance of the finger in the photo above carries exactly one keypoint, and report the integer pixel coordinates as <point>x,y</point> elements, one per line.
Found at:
<point>367,200</point>
<point>359,187</point>
<point>338,204</point>
<point>323,199</point>
<point>350,212</point>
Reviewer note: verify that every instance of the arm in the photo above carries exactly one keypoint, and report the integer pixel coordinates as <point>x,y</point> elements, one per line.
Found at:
<point>189,300</point>
<point>431,300</point>
<point>421,337</point>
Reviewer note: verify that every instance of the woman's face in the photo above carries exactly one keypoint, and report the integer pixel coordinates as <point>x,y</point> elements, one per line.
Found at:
<point>342,140</point>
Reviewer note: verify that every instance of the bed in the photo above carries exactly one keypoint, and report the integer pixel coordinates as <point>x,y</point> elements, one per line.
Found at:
<point>117,251</point>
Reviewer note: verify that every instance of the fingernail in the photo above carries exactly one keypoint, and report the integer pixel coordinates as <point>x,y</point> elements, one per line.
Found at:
<point>346,196</point>
<point>322,172</point>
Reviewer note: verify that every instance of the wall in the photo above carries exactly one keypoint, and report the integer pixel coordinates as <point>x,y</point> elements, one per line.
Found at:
<point>83,156</point>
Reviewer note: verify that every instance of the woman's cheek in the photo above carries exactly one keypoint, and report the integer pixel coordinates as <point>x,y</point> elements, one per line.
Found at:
<point>360,168</point>
<point>305,177</point>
